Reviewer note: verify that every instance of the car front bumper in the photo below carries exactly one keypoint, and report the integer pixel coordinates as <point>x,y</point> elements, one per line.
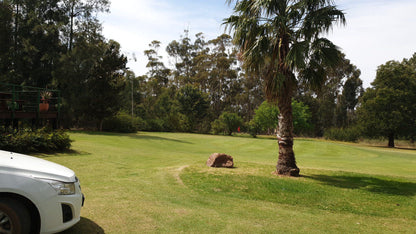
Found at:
<point>60,212</point>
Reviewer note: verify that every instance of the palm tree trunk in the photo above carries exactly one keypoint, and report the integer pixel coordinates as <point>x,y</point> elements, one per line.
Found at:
<point>286,164</point>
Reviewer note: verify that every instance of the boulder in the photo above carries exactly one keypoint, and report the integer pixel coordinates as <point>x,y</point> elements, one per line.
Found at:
<point>220,160</point>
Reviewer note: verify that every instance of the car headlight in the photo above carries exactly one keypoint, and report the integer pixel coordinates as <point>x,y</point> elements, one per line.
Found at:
<point>63,188</point>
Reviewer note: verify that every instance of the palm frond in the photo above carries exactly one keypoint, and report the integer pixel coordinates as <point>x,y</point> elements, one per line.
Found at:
<point>324,56</point>
<point>297,56</point>
<point>281,37</point>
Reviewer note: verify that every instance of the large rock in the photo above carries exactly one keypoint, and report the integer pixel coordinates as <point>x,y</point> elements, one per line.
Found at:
<point>220,160</point>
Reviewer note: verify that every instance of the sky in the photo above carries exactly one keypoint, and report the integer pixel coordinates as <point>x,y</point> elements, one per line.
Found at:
<point>376,31</point>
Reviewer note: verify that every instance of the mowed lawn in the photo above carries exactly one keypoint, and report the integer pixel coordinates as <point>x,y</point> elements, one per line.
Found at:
<point>158,183</point>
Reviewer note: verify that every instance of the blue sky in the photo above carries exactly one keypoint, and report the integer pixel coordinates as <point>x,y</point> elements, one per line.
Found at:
<point>377,30</point>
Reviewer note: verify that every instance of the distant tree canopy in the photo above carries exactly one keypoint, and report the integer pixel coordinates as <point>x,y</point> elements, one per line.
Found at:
<point>59,45</point>
<point>62,47</point>
<point>388,108</point>
<point>333,104</point>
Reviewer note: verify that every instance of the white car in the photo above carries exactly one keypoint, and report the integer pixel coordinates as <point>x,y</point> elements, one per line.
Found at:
<point>37,196</point>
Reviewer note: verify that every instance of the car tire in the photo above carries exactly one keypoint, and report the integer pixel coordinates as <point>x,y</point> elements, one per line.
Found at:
<point>14,217</point>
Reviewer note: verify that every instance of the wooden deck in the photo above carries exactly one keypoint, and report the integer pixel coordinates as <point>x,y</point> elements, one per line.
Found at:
<point>23,103</point>
<point>28,115</point>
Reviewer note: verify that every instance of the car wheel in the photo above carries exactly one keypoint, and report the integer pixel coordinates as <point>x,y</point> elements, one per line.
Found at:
<point>14,217</point>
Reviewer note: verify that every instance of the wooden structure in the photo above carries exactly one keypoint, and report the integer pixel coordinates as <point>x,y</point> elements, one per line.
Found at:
<point>18,103</point>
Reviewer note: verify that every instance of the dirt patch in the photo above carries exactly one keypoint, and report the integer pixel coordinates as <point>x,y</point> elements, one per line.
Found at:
<point>178,172</point>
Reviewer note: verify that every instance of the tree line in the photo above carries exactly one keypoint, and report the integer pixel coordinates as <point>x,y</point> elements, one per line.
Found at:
<point>210,87</point>
<point>58,44</point>
<point>209,79</point>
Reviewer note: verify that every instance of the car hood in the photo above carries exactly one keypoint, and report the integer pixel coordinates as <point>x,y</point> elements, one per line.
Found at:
<point>34,167</point>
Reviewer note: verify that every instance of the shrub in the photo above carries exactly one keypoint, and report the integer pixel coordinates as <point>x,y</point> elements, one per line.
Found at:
<point>301,118</point>
<point>38,141</point>
<point>351,134</point>
<point>124,123</point>
<point>154,125</point>
<point>227,123</point>
<point>218,127</point>
<point>253,128</point>
<point>266,118</point>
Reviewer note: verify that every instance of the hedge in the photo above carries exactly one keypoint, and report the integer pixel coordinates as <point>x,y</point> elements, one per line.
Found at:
<point>37,141</point>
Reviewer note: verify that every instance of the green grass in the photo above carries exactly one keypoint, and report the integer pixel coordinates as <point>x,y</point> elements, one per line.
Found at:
<point>158,183</point>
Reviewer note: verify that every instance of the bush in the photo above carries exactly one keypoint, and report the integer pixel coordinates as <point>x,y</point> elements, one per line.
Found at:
<point>227,123</point>
<point>124,123</point>
<point>154,125</point>
<point>253,128</point>
<point>266,118</point>
<point>39,141</point>
<point>218,127</point>
<point>351,134</point>
<point>301,118</point>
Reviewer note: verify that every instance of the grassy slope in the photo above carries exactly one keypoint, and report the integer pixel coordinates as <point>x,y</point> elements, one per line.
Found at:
<point>157,182</point>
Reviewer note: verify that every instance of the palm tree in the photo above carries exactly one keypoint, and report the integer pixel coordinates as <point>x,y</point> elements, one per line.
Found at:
<point>282,40</point>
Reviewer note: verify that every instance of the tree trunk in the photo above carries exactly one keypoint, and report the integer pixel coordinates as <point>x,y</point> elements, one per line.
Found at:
<point>286,164</point>
<point>391,140</point>
<point>16,27</point>
<point>101,125</point>
<point>71,32</point>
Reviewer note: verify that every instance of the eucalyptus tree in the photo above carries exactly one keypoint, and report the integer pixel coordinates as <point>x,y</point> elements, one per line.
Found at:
<point>82,14</point>
<point>281,39</point>
<point>351,92</point>
<point>6,39</point>
<point>181,51</point>
<point>158,74</point>
<point>223,79</point>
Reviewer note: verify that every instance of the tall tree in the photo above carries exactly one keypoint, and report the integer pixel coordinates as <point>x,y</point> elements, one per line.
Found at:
<point>36,43</point>
<point>105,82</point>
<point>388,108</point>
<point>251,96</point>
<point>158,74</point>
<point>328,104</point>
<point>91,78</point>
<point>79,13</point>
<point>6,39</point>
<point>182,53</point>
<point>193,104</point>
<point>352,90</point>
<point>281,38</point>
<point>224,85</point>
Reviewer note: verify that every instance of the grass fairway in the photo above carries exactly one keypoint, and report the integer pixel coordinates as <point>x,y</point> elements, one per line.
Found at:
<point>158,183</point>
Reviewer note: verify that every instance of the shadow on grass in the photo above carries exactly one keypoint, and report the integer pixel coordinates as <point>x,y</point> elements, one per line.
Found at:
<point>69,152</point>
<point>84,226</point>
<point>397,147</point>
<point>147,137</point>
<point>371,184</point>
<point>132,135</point>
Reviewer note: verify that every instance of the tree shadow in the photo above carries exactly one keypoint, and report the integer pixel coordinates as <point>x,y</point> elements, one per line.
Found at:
<point>371,184</point>
<point>147,137</point>
<point>69,152</point>
<point>84,226</point>
<point>404,148</point>
<point>133,135</point>
<point>397,147</point>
